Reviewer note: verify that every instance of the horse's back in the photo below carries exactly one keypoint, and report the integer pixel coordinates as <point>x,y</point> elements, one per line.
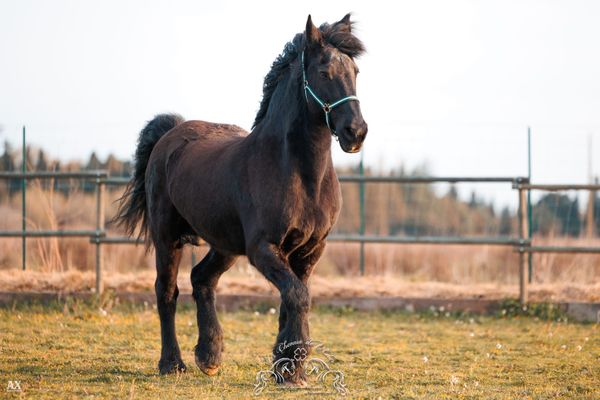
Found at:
<point>206,132</point>
<point>193,144</point>
<point>200,162</point>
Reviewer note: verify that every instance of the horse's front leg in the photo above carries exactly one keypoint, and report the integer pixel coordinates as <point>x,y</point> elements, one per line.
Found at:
<point>302,263</point>
<point>205,276</point>
<point>292,345</point>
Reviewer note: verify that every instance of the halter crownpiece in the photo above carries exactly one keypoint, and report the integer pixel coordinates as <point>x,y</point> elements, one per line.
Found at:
<point>327,108</point>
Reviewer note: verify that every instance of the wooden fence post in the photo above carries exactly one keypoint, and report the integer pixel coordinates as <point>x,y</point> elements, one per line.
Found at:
<point>523,255</point>
<point>100,185</point>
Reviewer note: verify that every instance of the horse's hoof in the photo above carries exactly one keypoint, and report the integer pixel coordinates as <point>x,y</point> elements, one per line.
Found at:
<point>171,367</point>
<point>209,370</point>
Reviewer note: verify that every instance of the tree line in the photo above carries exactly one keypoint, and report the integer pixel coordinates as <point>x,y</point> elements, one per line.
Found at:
<point>38,160</point>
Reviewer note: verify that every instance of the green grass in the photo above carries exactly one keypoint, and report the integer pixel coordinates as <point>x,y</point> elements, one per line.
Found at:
<point>74,351</point>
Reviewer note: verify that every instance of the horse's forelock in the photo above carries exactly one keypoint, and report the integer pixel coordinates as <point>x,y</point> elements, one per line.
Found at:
<point>340,36</point>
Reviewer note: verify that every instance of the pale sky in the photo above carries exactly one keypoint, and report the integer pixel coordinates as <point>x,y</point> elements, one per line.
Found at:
<point>453,84</point>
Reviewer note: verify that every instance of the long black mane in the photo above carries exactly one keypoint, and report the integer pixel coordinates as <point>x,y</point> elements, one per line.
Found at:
<point>339,35</point>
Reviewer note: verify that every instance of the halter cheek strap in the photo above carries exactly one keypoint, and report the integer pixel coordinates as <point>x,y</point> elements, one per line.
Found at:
<point>327,108</point>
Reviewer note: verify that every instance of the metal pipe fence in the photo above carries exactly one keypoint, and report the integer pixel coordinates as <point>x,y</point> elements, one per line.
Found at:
<point>526,186</point>
<point>98,177</point>
<point>521,243</point>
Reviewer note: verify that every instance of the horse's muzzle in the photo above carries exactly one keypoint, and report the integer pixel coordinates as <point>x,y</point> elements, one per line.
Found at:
<point>353,136</point>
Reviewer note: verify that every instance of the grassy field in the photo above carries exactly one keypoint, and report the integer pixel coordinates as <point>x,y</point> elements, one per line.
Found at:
<point>77,350</point>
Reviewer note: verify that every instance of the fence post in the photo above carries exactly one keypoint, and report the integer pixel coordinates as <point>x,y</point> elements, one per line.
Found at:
<point>24,206</point>
<point>100,184</point>
<point>523,234</point>
<point>361,194</point>
<point>529,207</point>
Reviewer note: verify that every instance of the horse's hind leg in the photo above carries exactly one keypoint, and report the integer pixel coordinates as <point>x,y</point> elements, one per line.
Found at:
<point>168,255</point>
<point>205,276</point>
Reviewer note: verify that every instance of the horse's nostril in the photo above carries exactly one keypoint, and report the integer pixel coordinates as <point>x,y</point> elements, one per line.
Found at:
<point>352,130</point>
<point>357,130</point>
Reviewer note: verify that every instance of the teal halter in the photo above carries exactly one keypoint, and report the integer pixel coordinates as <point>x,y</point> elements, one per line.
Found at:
<point>325,106</point>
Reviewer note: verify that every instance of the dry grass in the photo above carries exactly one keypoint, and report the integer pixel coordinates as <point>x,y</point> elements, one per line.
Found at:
<point>237,282</point>
<point>427,270</point>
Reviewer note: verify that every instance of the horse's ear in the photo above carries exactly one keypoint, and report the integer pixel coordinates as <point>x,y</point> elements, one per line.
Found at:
<point>345,23</point>
<point>313,34</point>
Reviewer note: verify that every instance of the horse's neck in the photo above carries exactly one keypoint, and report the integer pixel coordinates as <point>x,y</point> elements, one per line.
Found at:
<point>298,147</point>
<point>302,144</point>
<point>309,147</point>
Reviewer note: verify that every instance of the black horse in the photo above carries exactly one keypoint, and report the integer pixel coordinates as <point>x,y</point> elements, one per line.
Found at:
<point>272,195</point>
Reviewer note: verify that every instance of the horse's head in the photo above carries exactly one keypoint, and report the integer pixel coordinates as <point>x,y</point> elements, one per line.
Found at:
<point>329,75</point>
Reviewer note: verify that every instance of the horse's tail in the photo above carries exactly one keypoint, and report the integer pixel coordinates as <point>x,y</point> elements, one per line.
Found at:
<point>132,205</point>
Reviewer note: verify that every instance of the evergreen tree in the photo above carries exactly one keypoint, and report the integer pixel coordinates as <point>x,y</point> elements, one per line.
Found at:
<point>473,202</point>
<point>452,192</point>
<point>557,214</point>
<point>506,222</point>
<point>42,163</point>
<point>94,162</point>
<point>8,164</point>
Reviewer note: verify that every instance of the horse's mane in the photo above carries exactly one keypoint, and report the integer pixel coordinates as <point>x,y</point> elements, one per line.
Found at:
<point>338,35</point>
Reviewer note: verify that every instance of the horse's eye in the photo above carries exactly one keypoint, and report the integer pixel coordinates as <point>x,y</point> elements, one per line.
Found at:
<point>324,74</point>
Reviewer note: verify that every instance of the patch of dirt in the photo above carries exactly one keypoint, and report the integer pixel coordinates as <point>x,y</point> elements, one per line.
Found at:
<point>15,280</point>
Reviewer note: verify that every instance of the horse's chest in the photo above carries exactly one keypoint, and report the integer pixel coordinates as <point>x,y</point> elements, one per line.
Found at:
<point>306,230</point>
<point>302,213</point>
<point>313,217</point>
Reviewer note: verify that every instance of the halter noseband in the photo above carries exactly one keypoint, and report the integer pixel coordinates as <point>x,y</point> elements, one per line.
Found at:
<point>325,106</point>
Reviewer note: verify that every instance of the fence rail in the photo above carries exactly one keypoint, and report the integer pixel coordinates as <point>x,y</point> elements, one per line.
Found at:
<point>500,241</point>
<point>54,233</point>
<point>430,179</point>
<point>558,188</point>
<point>95,174</point>
<point>521,243</point>
<point>562,249</point>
